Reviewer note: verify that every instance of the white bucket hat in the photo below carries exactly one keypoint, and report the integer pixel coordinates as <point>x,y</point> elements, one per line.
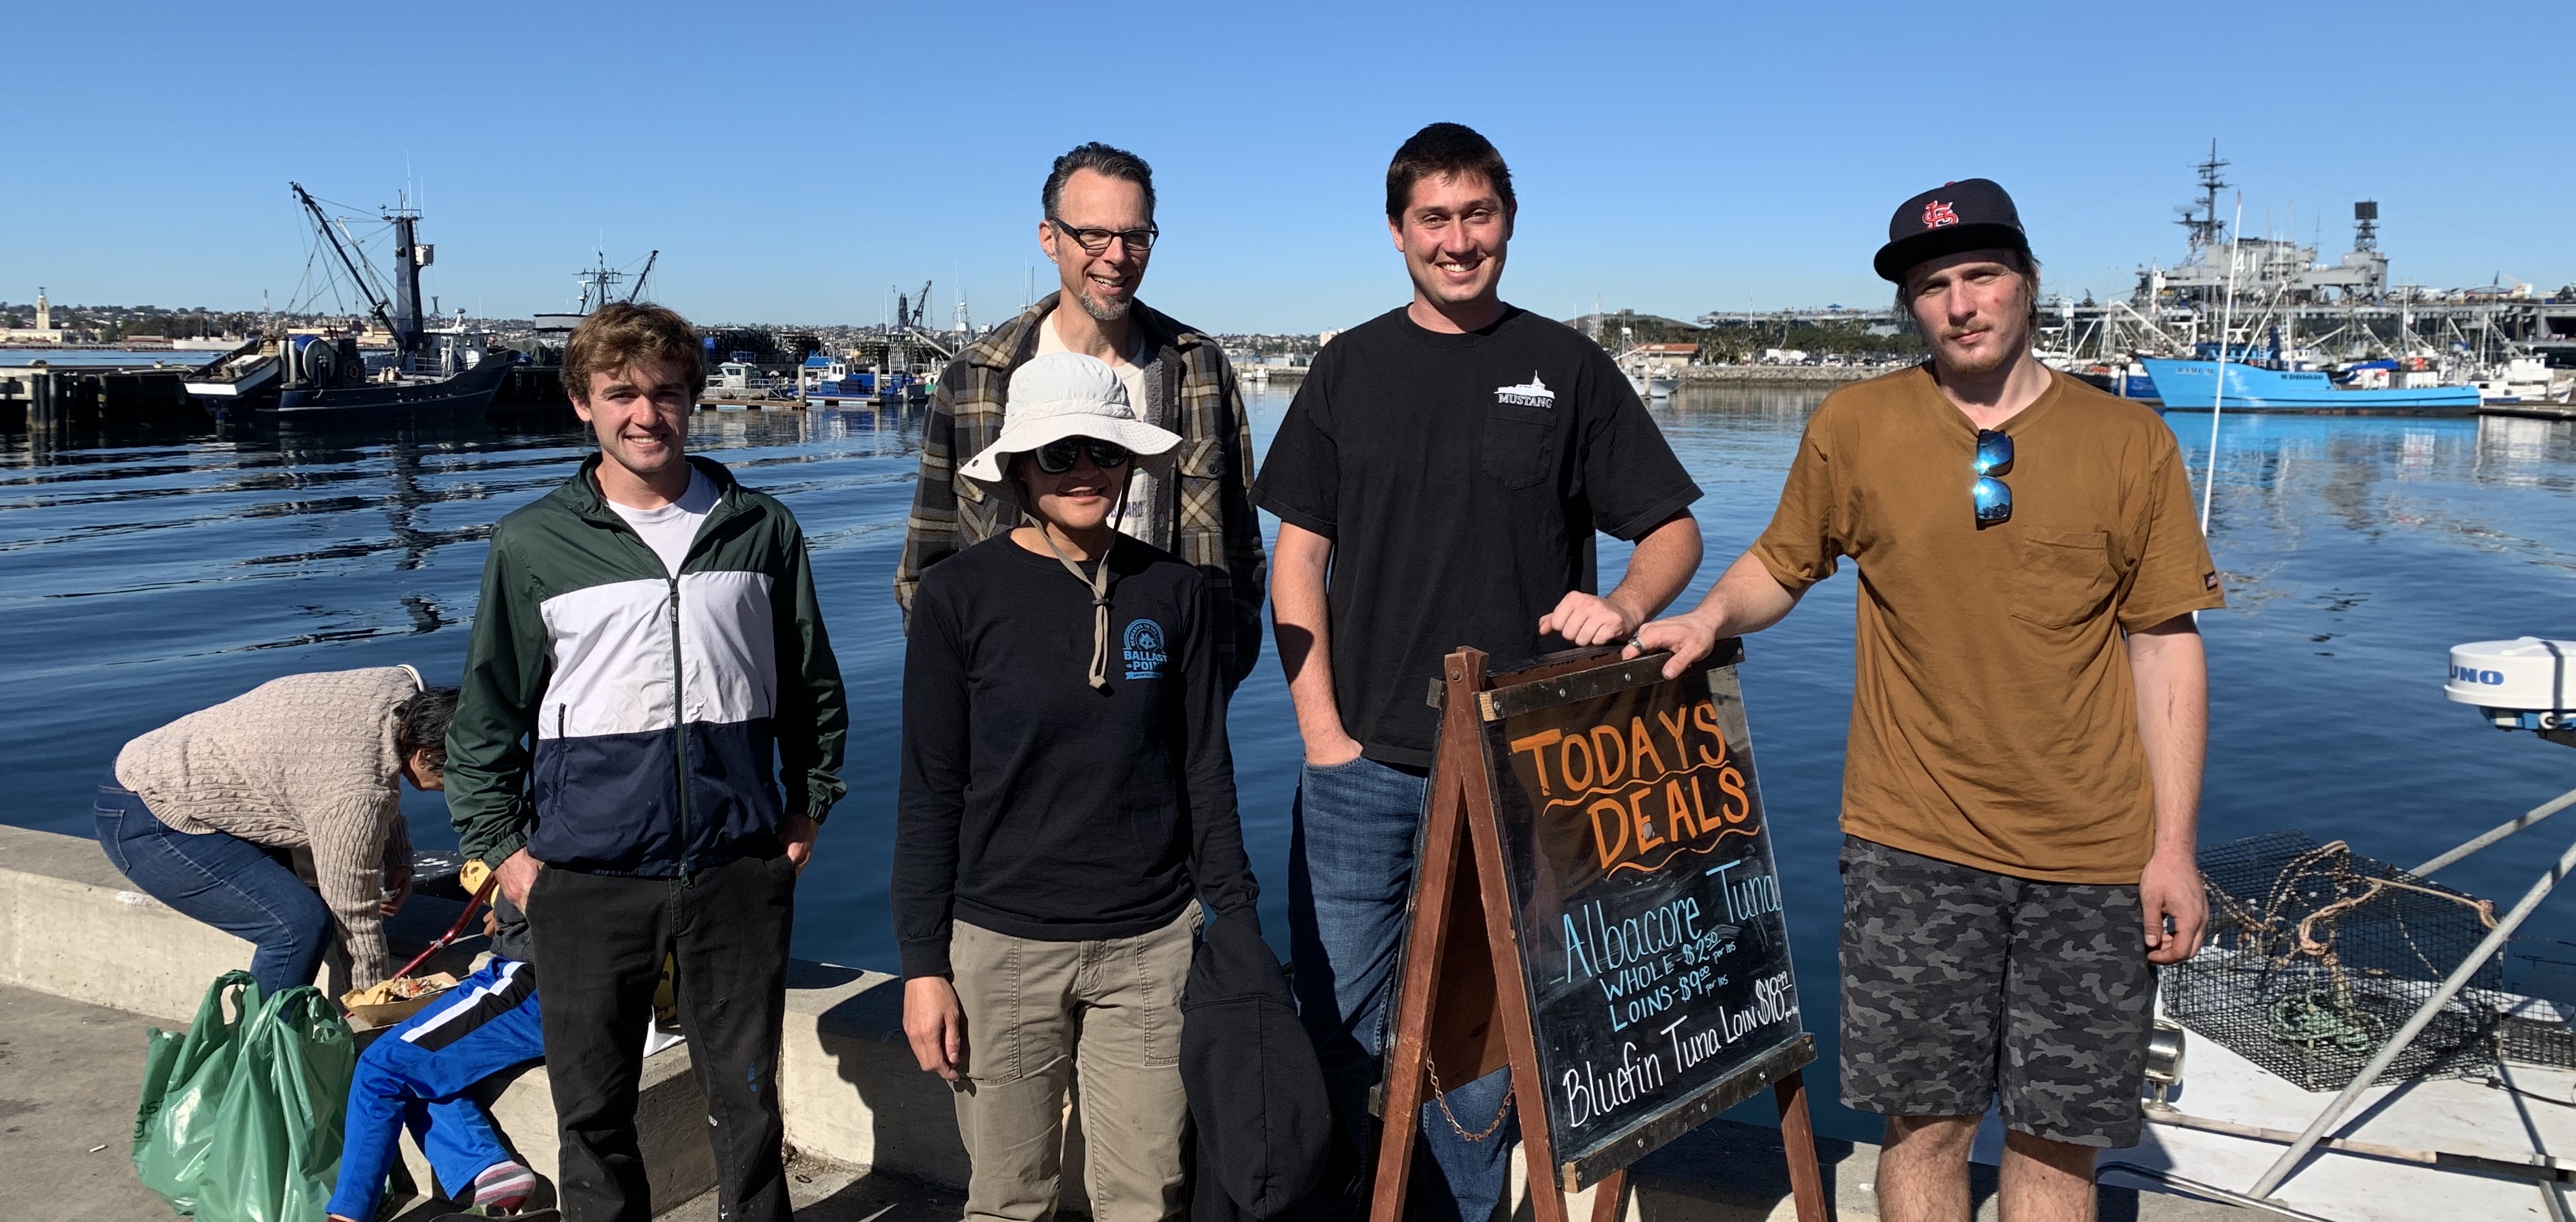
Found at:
<point>1060,395</point>
<point>1052,397</point>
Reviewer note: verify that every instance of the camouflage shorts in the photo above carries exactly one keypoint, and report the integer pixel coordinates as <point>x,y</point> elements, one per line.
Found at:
<point>1961,986</point>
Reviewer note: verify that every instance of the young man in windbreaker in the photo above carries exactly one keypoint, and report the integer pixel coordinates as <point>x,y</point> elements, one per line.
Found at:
<point>1067,807</point>
<point>650,629</point>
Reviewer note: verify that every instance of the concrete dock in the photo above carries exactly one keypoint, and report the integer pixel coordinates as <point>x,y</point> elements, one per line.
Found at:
<point>88,965</point>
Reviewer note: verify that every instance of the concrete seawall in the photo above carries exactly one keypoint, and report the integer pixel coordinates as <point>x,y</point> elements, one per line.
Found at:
<point>848,1087</point>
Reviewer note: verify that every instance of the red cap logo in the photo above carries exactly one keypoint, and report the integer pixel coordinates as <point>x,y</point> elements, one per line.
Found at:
<point>1936,214</point>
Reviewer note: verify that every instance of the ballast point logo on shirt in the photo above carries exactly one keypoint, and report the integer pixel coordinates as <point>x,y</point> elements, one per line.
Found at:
<point>1533,393</point>
<point>1144,650</point>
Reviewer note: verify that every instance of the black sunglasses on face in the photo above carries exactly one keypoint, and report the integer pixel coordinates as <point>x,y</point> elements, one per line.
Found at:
<point>1993,497</point>
<point>1058,457</point>
<point>1095,241</point>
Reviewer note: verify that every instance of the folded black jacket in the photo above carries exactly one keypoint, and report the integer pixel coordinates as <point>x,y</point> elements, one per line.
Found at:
<point>1256,1091</point>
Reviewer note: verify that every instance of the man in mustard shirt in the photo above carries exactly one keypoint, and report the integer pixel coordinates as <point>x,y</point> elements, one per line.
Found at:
<point>2029,716</point>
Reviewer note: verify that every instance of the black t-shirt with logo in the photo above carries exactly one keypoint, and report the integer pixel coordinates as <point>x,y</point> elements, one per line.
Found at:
<point>1031,804</point>
<point>1460,478</point>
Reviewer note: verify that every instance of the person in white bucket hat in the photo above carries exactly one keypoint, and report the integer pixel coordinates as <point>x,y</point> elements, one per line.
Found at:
<point>1064,765</point>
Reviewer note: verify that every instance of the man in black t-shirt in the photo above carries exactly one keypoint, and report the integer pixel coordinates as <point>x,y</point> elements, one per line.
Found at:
<point>1447,464</point>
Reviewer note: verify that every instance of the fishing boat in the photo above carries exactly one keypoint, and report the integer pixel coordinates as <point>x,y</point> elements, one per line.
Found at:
<point>451,371</point>
<point>1653,369</point>
<point>2520,379</point>
<point>2194,385</point>
<point>832,381</point>
<point>1653,385</point>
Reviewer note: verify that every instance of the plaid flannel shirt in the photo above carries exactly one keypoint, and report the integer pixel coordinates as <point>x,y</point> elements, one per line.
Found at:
<point>1214,527</point>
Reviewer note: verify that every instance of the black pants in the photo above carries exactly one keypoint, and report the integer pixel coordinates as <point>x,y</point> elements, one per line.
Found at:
<point>600,943</point>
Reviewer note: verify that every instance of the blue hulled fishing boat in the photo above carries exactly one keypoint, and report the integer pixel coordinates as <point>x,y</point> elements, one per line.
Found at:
<point>2196,385</point>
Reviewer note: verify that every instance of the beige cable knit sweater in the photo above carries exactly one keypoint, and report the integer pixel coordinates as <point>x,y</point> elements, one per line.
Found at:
<point>307,761</point>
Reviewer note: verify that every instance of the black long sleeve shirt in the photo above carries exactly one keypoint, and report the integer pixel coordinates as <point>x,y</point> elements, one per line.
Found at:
<point>1035,806</point>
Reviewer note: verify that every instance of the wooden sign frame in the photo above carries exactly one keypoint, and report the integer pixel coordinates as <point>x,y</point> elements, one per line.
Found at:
<point>1475,1008</point>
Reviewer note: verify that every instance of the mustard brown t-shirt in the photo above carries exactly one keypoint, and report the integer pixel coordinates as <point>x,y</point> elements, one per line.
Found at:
<point>1994,721</point>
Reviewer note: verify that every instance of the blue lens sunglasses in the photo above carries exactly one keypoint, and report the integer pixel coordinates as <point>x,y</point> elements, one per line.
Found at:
<point>1993,496</point>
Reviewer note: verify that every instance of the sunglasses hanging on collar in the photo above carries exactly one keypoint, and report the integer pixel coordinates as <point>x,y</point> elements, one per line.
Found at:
<point>1993,496</point>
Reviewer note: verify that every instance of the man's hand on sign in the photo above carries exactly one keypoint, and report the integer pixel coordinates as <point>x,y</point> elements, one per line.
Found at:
<point>2170,886</point>
<point>797,832</point>
<point>1689,636</point>
<point>935,1024</point>
<point>1747,598</point>
<point>519,873</point>
<point>1588,619</point>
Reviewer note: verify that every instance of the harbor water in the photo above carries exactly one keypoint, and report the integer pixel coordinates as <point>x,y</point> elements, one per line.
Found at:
<point>144,577</point>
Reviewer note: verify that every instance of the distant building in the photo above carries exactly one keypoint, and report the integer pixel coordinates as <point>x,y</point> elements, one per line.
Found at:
<point>42,333</point>
<point>1659,358</point>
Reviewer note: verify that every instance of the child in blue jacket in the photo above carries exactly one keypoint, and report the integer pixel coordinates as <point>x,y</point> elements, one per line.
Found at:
<point>421,1075</point>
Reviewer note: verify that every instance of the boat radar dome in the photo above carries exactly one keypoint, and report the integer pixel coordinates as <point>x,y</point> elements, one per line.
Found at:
<point>2523,684</point>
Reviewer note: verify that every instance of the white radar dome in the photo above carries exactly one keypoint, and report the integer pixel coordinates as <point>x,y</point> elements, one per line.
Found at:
<point>2523,684</point>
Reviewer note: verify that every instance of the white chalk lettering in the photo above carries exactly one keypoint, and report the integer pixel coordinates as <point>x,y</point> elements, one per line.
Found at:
<point>1692,1047</point>
<point>1591,1094</point>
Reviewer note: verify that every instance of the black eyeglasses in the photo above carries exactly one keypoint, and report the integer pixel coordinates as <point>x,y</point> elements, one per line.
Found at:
<point>1094,241</point>
<point>1993,496</point>
<point>1058,457</point>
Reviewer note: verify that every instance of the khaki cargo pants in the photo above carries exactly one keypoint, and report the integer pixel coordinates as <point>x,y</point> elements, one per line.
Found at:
<point>1037,1013</point>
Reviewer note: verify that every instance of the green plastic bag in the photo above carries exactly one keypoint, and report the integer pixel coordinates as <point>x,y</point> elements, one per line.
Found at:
<point>240,1121</point>
<point>183,1084</point>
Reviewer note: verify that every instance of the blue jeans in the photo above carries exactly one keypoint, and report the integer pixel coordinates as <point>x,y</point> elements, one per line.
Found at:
<point>421,1075</point>
<point>1350,875</point>
<point>223,880</point>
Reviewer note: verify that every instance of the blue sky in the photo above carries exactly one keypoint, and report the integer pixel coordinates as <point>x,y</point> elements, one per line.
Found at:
<point>797,163</point>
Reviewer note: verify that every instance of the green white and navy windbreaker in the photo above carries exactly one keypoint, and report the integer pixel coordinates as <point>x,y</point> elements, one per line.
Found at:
<point>664,713</point>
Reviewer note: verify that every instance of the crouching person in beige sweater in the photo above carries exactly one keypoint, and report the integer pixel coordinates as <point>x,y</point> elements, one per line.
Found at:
<point>202,813</point>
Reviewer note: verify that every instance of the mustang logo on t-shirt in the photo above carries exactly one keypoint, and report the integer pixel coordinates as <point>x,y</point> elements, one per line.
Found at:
<point>1144,650</point>
<point>1533,393</point>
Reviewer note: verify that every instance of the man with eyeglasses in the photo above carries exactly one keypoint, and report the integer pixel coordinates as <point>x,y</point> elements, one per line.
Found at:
<point>1438,482</point>
<point>2031,709</point>
<point>1097,225</point>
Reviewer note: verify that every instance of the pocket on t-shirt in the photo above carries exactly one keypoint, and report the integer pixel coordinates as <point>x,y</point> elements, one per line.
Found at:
<point>2065,578</point>
<point>1519,441</point>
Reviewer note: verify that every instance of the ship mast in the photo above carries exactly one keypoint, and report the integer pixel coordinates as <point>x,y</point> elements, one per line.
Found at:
<point>376,306</point>
<point>2202,224</point>
<point>409,258</point>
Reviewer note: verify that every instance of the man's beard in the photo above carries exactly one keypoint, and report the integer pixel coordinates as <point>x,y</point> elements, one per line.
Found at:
<point>1102,311</point>
<point>1997,355</point>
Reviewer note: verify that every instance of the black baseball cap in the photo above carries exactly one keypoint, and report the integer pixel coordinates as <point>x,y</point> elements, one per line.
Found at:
<point>1970,214</point>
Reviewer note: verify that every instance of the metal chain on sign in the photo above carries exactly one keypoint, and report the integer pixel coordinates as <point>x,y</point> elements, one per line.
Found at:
<point>1441,1097</point>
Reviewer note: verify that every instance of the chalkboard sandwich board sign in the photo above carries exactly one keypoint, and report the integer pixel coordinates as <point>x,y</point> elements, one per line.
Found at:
<point>1606,825</point>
